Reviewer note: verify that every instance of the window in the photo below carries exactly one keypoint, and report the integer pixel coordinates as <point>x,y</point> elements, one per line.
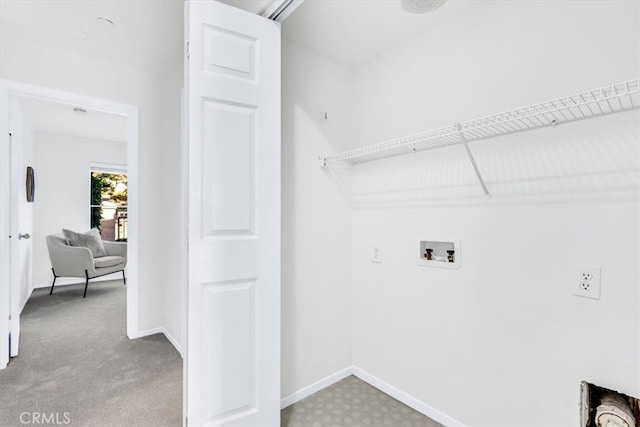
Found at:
<point>109,204</point>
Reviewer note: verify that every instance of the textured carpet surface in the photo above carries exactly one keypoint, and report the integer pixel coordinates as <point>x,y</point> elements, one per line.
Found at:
<point>352,402</point>
<point>77,367</point>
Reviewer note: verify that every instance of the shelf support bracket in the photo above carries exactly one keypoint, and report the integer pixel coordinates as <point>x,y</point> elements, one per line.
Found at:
<point>471,158</point>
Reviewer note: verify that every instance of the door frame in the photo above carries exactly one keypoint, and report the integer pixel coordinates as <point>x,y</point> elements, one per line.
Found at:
<point>10,89</point>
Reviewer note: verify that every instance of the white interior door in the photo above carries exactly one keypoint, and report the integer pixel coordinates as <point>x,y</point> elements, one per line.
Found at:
<point>21,219</point>
<point>233,115</point>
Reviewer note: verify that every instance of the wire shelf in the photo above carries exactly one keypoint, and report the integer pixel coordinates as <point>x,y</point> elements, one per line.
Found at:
<point>605,100</point>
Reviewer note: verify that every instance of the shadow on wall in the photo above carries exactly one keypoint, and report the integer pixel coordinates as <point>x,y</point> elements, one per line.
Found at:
<point>591,160</point>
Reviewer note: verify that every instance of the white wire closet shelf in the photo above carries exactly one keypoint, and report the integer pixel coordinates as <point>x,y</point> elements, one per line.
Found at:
<point>598,102</point>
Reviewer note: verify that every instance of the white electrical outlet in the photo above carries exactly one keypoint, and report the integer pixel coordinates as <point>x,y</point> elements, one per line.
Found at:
<point>377,255</point>
<point>586,275</point>
<point>586,281</point>
<point>585,286</point>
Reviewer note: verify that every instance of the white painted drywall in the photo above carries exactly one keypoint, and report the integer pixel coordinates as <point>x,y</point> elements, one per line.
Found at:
<point>63,164</point>
<point>316,221</point>
<point>170,199</point>
<point>505,327</point>
<point>33,63</point>
<point>501,341</point>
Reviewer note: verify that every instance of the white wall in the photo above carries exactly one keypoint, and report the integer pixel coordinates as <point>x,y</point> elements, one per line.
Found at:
<point>316,222</point>
<point>170,200</point>
<point>501,341</point>
<point>32,63</point>
<point>62,164</point>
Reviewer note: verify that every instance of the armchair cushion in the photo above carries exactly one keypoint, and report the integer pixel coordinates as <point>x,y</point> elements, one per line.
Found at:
<point>115,248</point>
<point>90,239</point>
<point>107,261</point>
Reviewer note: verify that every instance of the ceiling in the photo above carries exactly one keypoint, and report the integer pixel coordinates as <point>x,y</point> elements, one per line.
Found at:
<point>147,35</point>
<point>45,116</point>
<point>353,32</point>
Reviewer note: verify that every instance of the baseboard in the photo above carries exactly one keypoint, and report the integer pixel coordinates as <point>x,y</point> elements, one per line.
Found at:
<point>317,386</point>
<point>65,281</point>
<point>407,399</point>
<point>161,330</point>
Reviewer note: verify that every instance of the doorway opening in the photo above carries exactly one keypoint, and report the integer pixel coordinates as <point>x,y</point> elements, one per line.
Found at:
<point>12,297</point>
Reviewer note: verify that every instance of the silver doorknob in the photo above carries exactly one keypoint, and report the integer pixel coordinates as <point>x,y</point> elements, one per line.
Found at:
<point>24,236</point>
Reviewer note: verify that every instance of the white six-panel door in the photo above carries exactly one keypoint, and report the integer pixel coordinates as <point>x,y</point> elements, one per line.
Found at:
<point>233,114</point>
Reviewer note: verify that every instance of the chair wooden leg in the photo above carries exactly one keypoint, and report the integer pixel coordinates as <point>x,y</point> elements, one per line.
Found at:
<point>54,281</point>
<point>86,284</point>
<point>124,277</point>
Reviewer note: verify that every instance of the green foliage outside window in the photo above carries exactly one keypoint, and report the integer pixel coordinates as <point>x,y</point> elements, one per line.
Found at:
<point>105,186</point>
<point>97,184</point>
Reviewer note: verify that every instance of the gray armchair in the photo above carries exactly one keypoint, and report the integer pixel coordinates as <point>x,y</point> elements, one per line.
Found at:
<point>76,261</point>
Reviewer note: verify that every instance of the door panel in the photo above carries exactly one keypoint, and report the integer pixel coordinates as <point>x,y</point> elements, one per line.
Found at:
<point>224,163</point>
<point>233,122</point>
<point>21,219</point>
<point>231,312</point>
<point>229,53</point>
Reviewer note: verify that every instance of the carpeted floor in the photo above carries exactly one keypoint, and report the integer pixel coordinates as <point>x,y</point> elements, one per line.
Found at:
<point>77,366</point>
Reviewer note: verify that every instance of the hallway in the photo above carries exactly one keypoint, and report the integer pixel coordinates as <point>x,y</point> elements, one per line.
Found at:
<point>77,365</point>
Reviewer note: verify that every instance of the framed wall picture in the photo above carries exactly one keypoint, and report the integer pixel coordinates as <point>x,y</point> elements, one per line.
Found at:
<point>31,184</point>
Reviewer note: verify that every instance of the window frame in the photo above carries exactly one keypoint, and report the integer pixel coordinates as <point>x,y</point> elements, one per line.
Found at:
<point>107,168</point>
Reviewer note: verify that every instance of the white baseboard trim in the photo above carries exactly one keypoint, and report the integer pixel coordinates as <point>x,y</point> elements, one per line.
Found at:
<point>407,399</point>
<point>160,330</point>
<point>65,281</point>
<point>317,386</point>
